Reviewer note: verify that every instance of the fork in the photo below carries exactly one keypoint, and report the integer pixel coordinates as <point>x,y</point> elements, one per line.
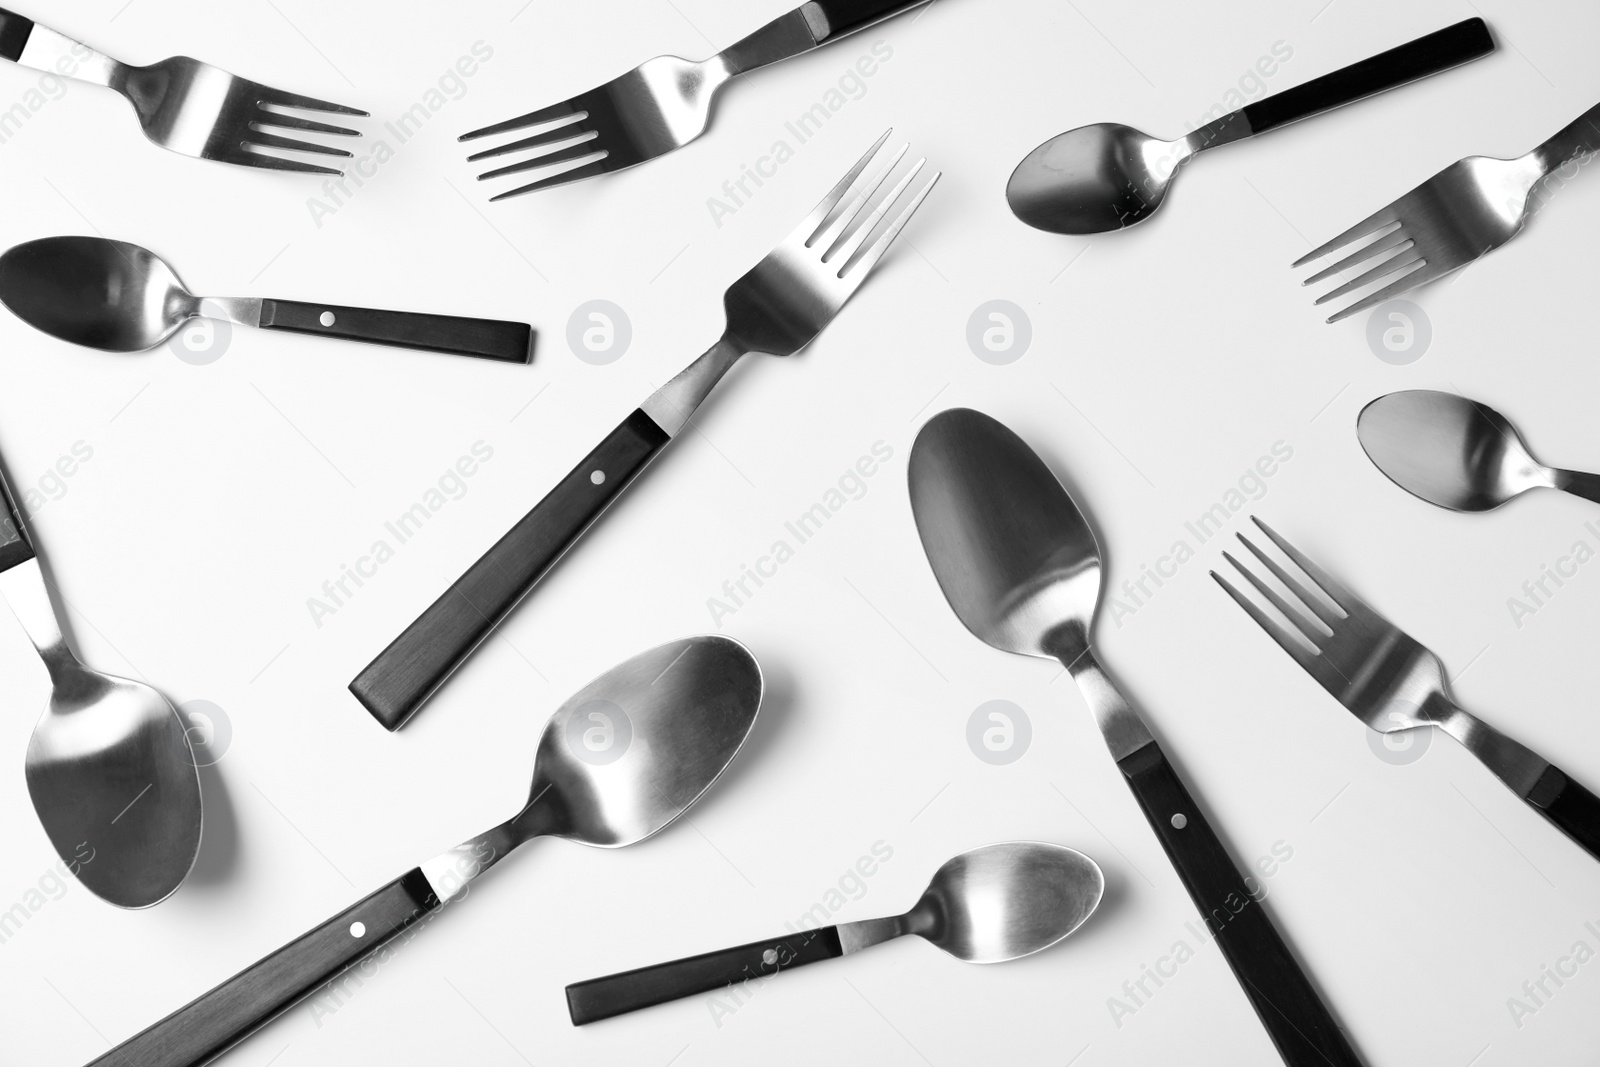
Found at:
<point>778,307</point>
<point>1467,210</point>
<point>1393,683</point>
<point>183,104</point>
<point>664,103</point>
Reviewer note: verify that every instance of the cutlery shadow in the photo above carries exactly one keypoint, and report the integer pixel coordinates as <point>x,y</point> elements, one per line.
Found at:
<point>779,700</point>
<point>219,839</point>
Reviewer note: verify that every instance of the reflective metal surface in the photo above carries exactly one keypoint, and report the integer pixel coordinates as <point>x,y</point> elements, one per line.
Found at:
<point>105,294</point>
<point>1376,670</point>
<point>109,767</point>
<point>995,903</point>
<point>1467,210</point>
<point>197,109</point>
<point>1455,452</point>
<point>1014,555</point>
<point>626,754</point>
<point>657,107</point>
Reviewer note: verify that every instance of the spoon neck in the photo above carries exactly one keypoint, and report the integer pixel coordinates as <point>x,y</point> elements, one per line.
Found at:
<point>1120,725</point>
<point>1578,483</point>
<point>1234,126</point>
<point>24,589</point>
<point>853,937</point>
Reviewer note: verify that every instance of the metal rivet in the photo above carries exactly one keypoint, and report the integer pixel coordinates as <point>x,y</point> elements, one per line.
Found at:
<point>1179,821</point>
<point>326,318</point>
<point>769,957</point>
<point>358,929</point>
<point>598,477</point>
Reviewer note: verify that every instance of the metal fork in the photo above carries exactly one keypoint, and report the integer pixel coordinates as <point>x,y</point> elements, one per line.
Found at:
<point>778,307</point>
<point>183,104</point>
<point>665,103</point>
<point>1393,683</point>
<point>1467,210</point>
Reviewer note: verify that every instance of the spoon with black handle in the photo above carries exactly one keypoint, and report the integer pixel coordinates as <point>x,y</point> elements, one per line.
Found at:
<point>118,297</point>
<point>622,758</point>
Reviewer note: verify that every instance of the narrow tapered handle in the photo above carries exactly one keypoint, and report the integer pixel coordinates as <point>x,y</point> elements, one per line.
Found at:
<point>14,32</point>
<point>16,546</point>
<point>206,1027</point>
<point>1438,51</point>
<point>1299,1024</point>
<point>508,342</point>
<point>839,17</point>
<point>1581,483</point>
<point>1570,806</point>
<point>1580,137</point>
<point>395,684</point>
<point>601,998</point>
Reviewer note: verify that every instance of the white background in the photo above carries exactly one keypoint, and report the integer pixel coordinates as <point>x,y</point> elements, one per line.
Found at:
<point>1164,362</point>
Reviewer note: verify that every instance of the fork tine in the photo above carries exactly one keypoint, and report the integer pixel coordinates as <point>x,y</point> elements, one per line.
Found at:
<point>1287,610</point>
<point>588,170</point>
<point>1313,662</point>
<point>1304,595</point>
<point>539,140</point>
<point>272,140</point>
<point>1422,276</point>
<point>846,246</point>
<point>1347,601</point>
<point>246,158</point>
<point>835,230</point>
<point>532,118</point>
<point>1396,262</point>
<point>863,266</point>
<point>807,230</point>
<point>1393,239</point>
<point>1380,218</point>
<point>266,94</point>
<point>581,150</point>
<point>295,122</point>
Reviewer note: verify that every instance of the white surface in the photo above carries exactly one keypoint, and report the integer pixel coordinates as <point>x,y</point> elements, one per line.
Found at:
<point>1164,362</point>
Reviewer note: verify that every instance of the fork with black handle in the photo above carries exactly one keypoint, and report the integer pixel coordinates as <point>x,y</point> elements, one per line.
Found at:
<point>1393,683</point>
<point>185,105</point>
<point>777,308</point>
<point>665,103</point>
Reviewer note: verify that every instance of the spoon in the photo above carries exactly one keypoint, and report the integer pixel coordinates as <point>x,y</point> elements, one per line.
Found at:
<point>992,904</point>
<point>1021,568</point>
<point>1457,453</point>
<point>119,297</point>
<point>622,758</point>
<point>109,767</point>
<point>1108,176</point>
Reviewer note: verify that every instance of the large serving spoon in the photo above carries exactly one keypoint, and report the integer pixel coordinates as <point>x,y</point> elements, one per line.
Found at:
<point>119,297</point>
<point>110,769</point>
<point>622,758</point>
<point>1457,453</point>
<point>992,904</point>
<point>1107,176</point>
<point>1021,568</point>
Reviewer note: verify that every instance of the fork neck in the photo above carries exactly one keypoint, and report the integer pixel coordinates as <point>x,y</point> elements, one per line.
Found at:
<point>671,406</point>
<point>1581,137</point>
<point>54,52</point>
<point>785,36</point>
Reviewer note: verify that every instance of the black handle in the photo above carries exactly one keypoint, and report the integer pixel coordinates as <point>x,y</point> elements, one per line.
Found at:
<point>209,1025</point>
<point>1438,51</point>
<point>601,998</point>
<point>15,544</point>
<point>1297,1021</point>
<point>848,16</point>
<point>14,32</point>
<point>509,342</point>
<point>395,684</point>
<point>1570,806</point>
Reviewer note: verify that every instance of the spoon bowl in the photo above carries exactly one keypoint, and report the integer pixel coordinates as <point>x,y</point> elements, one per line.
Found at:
<point>110,295</point>
<point>1095,179</point>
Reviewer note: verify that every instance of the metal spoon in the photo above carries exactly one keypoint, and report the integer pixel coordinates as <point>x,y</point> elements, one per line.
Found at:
<point>119,297</point>
<point>1457,453</point>
<point>109,767</point>
<point>622,758</point>
<point>989,905</point>
<point>1107,176</point>
<point>1021,568</point>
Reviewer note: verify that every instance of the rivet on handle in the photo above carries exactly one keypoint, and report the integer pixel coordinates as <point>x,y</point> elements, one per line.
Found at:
<point>1179,821</point>
<point>598,477</point>
<point>326,318</point>
<point>358,929</point>
<point>769,957</point>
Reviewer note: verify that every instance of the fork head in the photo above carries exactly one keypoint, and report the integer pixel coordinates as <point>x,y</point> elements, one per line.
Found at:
<point>1388,680</point>
<point>657,107</point>
<point>203,111</point>
<point>784,301</point>
<point>1470,208</point>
